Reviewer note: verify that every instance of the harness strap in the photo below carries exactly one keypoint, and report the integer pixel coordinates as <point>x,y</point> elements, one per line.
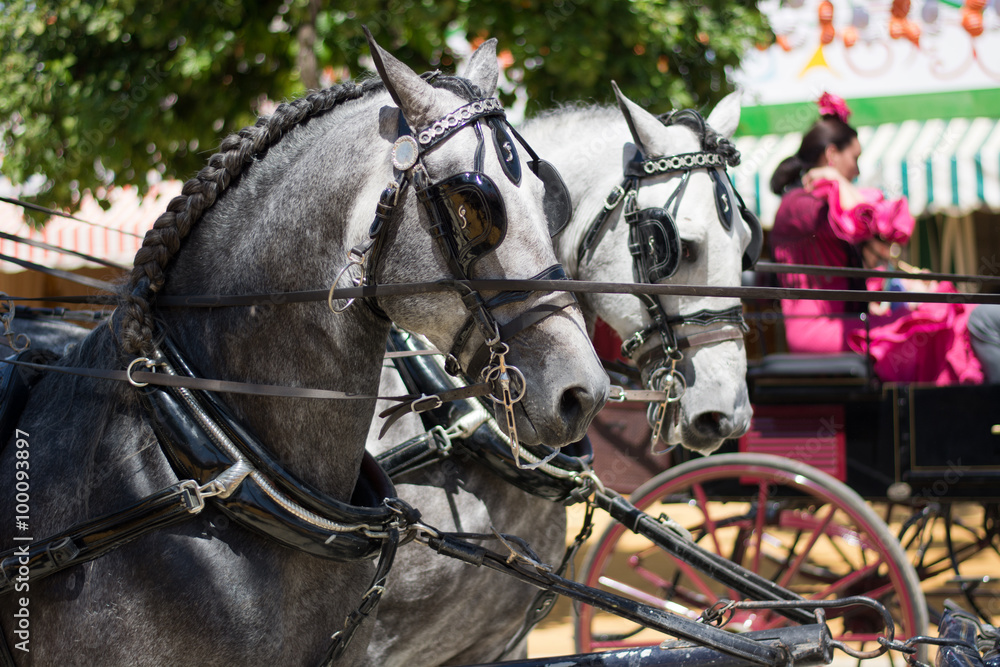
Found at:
<point>528,318</point>
<point>89,540</point>
<point>59,273</point>
<point>599,226</point>
<point>415,453</point>
<point>369,601</point>
<point>544,600</point>
<point>476,304</point>
<point>710,337</point>
<point>672,538</point>
<point>35,243</point>
<point>141,378</point>
<point>423,403</point>
<point>657,619</point>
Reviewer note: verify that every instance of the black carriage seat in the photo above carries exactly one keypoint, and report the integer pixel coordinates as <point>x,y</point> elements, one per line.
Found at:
<point>845,366</point>
<point>787,377</point>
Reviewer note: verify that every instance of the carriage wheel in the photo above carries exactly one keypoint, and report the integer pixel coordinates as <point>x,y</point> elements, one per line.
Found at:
<point>778,517</point>
<point>954,546</point>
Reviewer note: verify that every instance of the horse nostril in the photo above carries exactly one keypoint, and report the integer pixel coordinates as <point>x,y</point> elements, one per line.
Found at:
<point>713,423</point>
<point>574,403</point>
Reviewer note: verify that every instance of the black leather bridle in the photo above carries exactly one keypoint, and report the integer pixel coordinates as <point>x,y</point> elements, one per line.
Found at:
<point>655,246</point>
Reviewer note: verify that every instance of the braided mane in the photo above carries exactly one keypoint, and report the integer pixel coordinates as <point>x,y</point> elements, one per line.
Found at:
<point>163,241</point>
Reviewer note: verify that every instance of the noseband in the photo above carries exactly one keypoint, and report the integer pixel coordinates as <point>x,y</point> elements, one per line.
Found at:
<point>655,246</point>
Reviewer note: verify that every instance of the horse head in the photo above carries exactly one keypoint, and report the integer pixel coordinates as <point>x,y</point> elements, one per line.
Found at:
<point>473,206</point>
<point>684,225</point>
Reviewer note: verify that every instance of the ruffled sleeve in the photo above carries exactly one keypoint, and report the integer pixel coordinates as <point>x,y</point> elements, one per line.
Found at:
<point>875,216</point>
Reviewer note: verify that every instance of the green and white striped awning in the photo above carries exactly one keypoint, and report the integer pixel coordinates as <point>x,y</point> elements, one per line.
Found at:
<point>950,166</point>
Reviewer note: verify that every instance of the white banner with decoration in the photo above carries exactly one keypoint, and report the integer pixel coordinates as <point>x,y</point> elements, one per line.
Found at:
<point>873,49</point>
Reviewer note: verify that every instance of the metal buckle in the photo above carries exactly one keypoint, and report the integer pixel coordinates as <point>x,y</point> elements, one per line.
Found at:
<point>441,439</point>
<point>194,495</point>
<point>618,193</point>
<point>425,403</point>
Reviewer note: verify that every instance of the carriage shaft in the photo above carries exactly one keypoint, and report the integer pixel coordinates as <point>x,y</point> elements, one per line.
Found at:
<point>807,646</point>
<point>719,568</point>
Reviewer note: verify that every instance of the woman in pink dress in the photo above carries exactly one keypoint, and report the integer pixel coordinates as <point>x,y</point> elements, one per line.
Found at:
<point>825,220</point>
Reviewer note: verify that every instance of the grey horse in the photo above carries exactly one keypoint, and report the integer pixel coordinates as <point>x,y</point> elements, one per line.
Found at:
<point>278,209</point>
<point>442,612</point>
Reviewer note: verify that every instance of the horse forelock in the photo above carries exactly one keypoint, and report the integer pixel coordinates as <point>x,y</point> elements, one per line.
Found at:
<point>457,85</point>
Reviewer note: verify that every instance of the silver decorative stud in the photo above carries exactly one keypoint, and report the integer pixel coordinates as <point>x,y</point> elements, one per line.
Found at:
<point>405,153</point>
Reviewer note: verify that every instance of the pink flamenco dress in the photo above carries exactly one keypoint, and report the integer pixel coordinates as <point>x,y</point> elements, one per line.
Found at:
<point>926,343</point>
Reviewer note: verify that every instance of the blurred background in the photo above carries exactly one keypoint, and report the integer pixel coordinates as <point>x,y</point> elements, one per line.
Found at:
<point>106,106</point>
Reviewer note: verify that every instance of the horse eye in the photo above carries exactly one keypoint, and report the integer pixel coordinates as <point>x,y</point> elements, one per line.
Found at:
<point>689,252</point>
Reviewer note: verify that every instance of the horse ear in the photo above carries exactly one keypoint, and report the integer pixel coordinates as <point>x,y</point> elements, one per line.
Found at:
<point>725,117</point>
<point>412,95</point>
<point>643,125</point>
<point>482,69</point>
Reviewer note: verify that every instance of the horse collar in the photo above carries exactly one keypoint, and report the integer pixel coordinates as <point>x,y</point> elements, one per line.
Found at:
<point>204,442</point>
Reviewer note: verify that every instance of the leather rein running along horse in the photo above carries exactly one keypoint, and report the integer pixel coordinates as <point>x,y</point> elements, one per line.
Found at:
<point>217,459</point>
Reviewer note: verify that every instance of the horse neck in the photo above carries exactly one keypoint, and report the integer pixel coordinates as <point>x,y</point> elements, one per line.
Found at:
<point>591,167</point>
<point>284,228</point>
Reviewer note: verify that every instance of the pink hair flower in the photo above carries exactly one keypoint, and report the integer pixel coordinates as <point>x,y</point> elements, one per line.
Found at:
<point>831,105</point>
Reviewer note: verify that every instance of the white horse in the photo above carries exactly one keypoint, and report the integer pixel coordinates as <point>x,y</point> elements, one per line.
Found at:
<point>440,611</point>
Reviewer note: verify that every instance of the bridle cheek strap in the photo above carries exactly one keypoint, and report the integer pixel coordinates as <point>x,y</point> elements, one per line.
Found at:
<point>481,313</point>
<point>529,318</point>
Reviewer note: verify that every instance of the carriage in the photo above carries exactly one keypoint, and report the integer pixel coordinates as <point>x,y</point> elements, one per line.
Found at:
<point>842,485</point>
<point>319,530</point>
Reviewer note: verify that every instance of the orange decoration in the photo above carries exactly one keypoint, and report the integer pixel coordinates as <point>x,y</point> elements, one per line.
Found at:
<point>850,36</point>
<point>782,41</point>
<point>825,12</point>
<point>896,28</point>
<point>972,22</point>
<point>827,34</point>
<point>900,8</point>
<point>912,32</point>
<point>975,5</point>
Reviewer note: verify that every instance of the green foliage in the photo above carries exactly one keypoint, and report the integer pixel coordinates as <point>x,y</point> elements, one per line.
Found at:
<point>102,92</point>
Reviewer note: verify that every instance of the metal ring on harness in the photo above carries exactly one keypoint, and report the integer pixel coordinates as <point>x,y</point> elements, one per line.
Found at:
<point>148,363</point>
<point>492,375</point>
<point>356,281</point>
